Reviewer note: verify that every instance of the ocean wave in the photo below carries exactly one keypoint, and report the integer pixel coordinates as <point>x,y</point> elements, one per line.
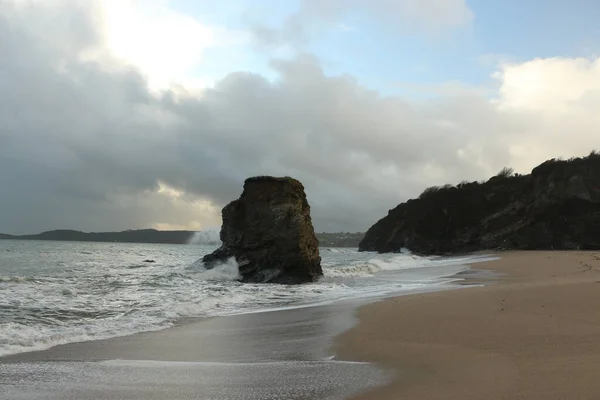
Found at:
<point>44,328</point>
<point>19,279</point>
<point>225,271</point>
<point>374,265</point>
<point>339,249</point>
<point>72,297</point>
<point>360,270</point>
<point>19,338</point>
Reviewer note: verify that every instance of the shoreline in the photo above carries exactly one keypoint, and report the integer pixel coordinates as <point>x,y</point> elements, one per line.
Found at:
<point>286,343</point>
<point>531,334</point>
<point>455,281</point>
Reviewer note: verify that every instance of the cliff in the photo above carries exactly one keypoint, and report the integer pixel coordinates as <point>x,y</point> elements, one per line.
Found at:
<point>557,206</point>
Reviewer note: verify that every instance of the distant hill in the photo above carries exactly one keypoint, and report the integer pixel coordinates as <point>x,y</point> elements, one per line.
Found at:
<point>341,239</point>
<point>167,237</point>
<point>128,236</point>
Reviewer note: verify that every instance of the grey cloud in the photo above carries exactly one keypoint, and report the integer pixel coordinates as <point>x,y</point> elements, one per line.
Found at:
<point>293,32</point>
<point>430,18</point>
<point>423,16</point>
<point>84,145</point>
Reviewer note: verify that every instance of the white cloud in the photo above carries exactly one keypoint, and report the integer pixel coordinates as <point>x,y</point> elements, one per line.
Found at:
<point>548,85</point>
<point>557,101</point>
<point>167,46</point>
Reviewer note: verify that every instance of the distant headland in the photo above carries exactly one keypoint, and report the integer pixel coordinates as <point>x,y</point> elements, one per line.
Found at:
<point>340,239</point>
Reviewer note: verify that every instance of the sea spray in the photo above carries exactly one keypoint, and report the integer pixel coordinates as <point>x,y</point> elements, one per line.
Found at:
<point>209,237</point>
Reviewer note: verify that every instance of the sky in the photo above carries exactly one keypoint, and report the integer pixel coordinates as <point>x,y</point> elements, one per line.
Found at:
<point>126,114</point>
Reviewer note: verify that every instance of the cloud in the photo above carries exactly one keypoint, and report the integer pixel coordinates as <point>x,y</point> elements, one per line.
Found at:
<point>86,143</point>
<point>557,99</point>
<point>345,28</point>
<point>164,44</point>
<point>425,16</point>
<point>430,18</point>
<point>526,85</point>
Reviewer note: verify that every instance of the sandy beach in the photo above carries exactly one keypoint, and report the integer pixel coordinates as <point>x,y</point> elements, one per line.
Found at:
<point>532,335</point>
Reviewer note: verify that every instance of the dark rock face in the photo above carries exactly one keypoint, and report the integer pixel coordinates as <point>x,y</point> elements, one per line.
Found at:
<point>269,232</point>
<point>557,206</point>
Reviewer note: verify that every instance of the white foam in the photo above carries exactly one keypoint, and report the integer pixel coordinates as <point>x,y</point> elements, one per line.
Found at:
<point>359,270</point>
<point>227,270</point>
<point>18,338</point>
<point>398,262</point>
<point>375,265</point>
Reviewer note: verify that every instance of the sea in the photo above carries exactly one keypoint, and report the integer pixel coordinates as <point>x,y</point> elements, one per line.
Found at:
<point>54,293</point>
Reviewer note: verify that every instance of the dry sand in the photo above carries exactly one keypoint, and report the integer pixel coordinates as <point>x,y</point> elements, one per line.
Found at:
<point>533,335</point>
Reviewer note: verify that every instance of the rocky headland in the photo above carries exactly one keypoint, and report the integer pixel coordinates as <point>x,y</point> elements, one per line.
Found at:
<point>557,206</point>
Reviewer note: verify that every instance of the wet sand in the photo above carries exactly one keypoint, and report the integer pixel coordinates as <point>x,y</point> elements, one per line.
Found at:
<point>270,355</point>
<point>535,334</point>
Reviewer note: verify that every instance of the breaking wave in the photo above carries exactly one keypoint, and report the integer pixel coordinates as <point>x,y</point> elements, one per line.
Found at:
<point>89,291</point>
<point>225,271</point>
